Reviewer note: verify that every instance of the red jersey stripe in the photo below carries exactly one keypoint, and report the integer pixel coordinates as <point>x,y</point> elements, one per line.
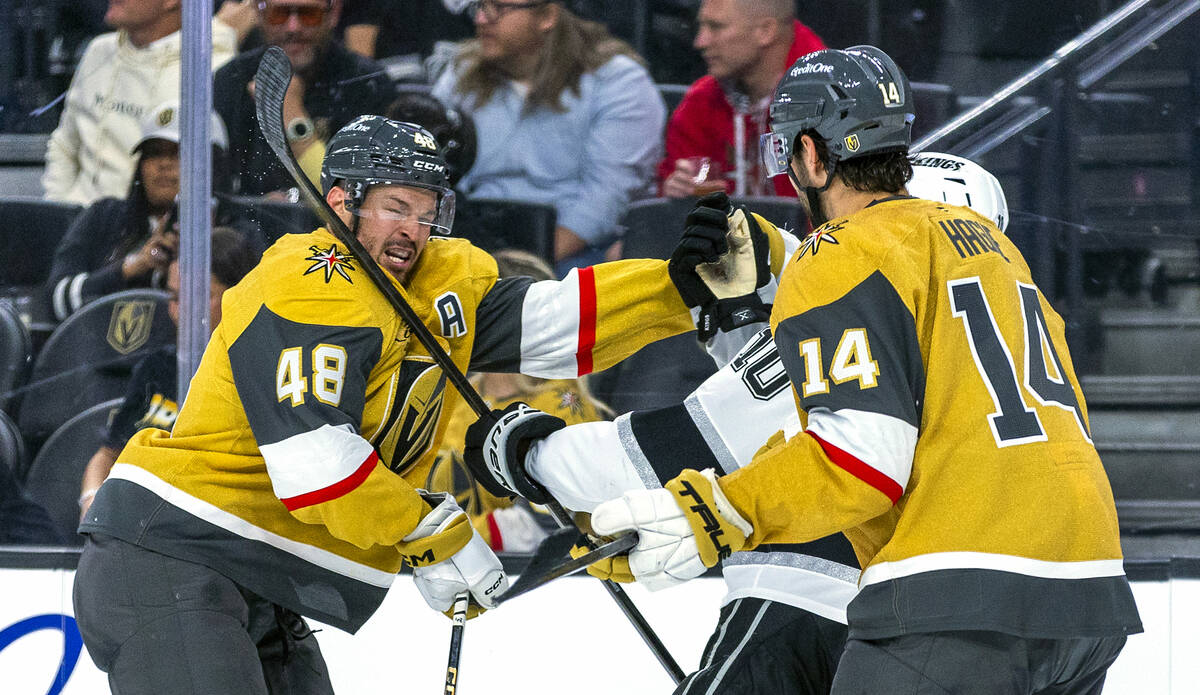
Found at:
<point>494,529</point>
<point>334,491</point>
<point>849,463</point>
<point>587,320</point>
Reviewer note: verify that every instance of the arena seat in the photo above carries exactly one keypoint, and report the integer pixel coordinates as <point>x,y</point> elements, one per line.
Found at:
<point>16,353</point>
<point>672,94</point>
<point>89,357</point>
<point>56,472</point>
<point>494,223</point>
<point>272,218</point>
<point>30,229</point>
<point>12,448</point>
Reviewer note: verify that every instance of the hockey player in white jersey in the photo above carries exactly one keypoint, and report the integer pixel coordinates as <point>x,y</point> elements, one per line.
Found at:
<point>782,622</point>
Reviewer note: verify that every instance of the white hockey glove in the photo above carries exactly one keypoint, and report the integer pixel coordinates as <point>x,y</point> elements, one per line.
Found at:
<point>721,261</point>
<point>495,453</point>
<point>472,567</point>
<point>683,529</point>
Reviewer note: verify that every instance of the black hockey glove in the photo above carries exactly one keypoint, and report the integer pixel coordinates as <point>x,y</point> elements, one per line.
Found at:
<point>495,452</point>
<point>703,241</point>
<point>722,276</point>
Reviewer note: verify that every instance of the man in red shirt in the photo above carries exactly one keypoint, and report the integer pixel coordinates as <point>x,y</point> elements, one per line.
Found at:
<point>747,45</point>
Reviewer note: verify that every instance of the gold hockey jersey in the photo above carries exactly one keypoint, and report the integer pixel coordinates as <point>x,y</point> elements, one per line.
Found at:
<point>945,433</point>
<point>315,414</point>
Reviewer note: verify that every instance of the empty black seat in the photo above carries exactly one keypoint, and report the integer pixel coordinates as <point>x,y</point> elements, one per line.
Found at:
<point>54,477</point>
<point>16,352</point>
<point>271,219</point>
<point>12,448</point>
<point>30,229</point>
<point>89,357</point>
<point>493,224</point>
<point>672,94</point>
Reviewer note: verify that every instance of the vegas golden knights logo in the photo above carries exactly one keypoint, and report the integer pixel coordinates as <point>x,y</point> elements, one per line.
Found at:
<point>414,418</point>
<point>129,326</point>
<point>852,143</point>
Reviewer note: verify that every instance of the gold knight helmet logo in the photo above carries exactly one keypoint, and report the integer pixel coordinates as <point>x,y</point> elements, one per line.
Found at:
<point>129,324</point>
<point>852,142</point>
<point>410,426</point>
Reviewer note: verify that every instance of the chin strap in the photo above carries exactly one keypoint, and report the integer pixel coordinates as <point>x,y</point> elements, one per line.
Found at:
<point>815,211</point>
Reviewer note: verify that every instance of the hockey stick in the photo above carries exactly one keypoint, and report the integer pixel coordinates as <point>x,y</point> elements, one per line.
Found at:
<point>550,552</point>
<point>461,603</point>
<point>270,85</point>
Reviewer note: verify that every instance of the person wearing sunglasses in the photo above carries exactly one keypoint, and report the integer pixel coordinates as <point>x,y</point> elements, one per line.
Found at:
<point>121,77</point>
<point>331,87</point>
<point>573,118</point>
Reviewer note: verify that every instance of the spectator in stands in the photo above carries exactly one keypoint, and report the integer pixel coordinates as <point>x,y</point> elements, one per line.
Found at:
<point>121,77</point>
<point>713,133</point>
<point>120,243</point>
<point>22,520</point>
<point>331,86</point>
<point>454,130</point>
<point>151,399</point>
<point>571,118</point>
<point>509,525</point>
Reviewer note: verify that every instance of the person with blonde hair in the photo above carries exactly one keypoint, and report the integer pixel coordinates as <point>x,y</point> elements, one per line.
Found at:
<point>568,115</point>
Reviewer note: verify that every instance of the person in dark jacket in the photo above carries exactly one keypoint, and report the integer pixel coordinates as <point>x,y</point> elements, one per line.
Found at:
<point>122,243</point>
<point>330,87</point>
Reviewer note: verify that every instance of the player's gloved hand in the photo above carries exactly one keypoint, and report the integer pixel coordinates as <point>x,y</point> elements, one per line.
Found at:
<point>495,452</point>
<point>703,241</point>
<point>683,528</point>
<point>449,557</point>
<point>722,275</point>
<point>615,568</point>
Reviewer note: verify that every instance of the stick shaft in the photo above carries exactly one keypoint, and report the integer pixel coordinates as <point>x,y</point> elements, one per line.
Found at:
<point>461,603</point>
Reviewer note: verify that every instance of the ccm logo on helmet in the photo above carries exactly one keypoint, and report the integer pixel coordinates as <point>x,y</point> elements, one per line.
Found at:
<point>428,166</point>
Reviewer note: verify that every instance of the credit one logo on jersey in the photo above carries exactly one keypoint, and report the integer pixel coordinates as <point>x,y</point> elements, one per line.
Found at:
<point>72,642</point>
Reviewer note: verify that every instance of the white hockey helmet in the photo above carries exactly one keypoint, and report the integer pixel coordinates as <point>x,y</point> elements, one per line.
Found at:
<point>951,179</point>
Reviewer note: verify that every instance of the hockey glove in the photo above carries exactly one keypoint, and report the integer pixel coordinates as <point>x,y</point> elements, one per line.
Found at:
<point>495,452</point>
<point>703,241</point>
<point>720,263</point>
<point>614,568</point>
<point>455,558</point>
<point>683,529</point>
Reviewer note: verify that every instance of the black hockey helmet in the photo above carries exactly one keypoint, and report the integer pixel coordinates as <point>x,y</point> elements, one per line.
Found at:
<point>453,128</point>
<point>858,100</point>
<point>376,150</point>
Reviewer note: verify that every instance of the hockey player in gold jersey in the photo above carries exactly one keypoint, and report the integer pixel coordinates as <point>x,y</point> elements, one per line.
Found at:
<point>939,424</point>
<point>291,473</point>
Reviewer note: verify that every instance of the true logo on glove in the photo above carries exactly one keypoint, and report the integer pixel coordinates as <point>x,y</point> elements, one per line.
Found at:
<point>712,525</point>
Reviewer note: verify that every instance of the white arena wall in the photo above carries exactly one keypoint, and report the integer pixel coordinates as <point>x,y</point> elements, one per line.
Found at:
<point>565,637</point>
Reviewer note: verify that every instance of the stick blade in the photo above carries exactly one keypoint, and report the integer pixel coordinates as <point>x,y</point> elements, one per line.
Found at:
<point>548,564</point>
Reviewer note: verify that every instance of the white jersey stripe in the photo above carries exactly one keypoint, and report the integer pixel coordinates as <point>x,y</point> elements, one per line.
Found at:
<point>1088,569</point>
<point>314,460</point>
<point>240,527</point>
<point>883,442</point>
<point>550,328</point>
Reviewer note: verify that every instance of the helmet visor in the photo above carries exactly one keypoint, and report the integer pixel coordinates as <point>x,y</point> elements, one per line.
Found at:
<point>776,153</point>
<point>439,218</point>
